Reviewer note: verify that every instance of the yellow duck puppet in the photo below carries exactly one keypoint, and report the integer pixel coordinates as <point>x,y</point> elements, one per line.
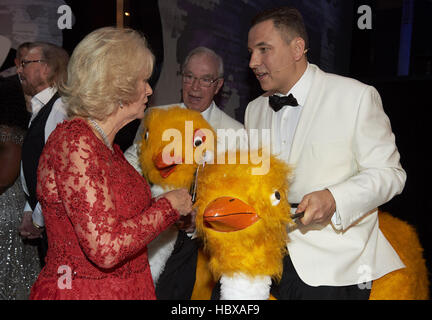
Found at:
<point>174,141</point>
<point>412,282</point>
<point>242,219</point>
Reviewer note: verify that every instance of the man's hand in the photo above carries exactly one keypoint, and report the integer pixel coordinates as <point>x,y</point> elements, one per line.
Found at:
<point>318,207</point>
<point>27,229</point>
<point>187,223</point>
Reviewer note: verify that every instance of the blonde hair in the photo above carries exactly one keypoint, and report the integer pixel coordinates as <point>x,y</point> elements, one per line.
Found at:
<point>104,70</point>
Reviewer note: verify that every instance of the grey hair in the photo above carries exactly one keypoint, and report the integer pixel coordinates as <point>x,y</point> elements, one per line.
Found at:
<point>209,52</point>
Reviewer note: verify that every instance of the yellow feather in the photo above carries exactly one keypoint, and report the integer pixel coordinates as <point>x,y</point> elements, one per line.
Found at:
<point>156,123</point>
<point>410,283</point>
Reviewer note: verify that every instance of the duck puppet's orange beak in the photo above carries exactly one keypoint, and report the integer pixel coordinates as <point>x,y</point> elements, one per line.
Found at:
<point>228,214</point>
<point>165,169</point>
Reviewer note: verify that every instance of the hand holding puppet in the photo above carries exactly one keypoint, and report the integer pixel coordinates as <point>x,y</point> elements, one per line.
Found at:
<point>174,142</point>
<point>243,218</point>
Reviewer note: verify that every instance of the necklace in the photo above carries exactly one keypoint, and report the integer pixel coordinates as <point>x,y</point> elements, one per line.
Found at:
<point>102,133</point>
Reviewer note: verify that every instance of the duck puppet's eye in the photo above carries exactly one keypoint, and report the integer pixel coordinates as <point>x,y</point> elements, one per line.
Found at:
<point>197,141</point>
<point>275,198</point>
<point>146,135</point>
<point>199,138</point>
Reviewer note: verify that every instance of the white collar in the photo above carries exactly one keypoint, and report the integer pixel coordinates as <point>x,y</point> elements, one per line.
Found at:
<point>42,98</point>
<point>207,112</point>
<point>301,89</point>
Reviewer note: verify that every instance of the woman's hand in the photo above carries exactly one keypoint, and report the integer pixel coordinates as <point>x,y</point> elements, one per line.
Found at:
<point>180,200</point>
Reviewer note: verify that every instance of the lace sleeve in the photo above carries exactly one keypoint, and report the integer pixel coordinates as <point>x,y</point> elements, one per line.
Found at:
<point>106,236</point>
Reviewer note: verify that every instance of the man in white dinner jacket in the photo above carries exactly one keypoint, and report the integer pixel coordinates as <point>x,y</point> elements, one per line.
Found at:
<point>335,134</point>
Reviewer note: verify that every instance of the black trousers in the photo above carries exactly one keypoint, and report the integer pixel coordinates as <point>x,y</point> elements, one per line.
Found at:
<point>178,278</point>
<point>291,287</point>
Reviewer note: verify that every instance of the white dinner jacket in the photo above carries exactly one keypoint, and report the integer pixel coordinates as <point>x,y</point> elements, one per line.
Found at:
<point>343,142</point>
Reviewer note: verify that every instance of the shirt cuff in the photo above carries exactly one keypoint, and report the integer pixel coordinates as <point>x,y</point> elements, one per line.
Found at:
<point>37,216</point>
<point>27,207</point>
<point>336,221</point>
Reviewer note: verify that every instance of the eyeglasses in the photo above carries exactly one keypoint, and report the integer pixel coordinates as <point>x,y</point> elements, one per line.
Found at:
<point>202,82</point>
<point>26,62</point>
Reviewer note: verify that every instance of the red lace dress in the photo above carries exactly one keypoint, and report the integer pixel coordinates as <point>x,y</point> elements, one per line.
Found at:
<point>99,217</point>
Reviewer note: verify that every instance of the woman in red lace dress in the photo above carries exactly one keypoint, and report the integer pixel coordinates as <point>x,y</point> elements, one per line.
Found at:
<point>98,210</point>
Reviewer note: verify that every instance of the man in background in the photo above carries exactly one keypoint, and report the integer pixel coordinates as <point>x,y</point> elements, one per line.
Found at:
<point>41,71</point>
<point>202,79</point>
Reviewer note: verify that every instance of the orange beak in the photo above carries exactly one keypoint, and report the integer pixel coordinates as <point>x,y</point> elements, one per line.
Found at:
<point>164,169</point>
<point>228,214</point>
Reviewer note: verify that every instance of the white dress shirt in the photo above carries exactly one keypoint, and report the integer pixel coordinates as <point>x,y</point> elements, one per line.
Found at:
<point>57,115</point>
<point>286,119</point>
<point>227,139</point>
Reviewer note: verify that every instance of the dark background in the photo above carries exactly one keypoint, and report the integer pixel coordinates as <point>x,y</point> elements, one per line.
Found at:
<point>373,58</point>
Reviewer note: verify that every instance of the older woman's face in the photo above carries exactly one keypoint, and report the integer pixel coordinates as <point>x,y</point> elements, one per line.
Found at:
<point>138,107</point>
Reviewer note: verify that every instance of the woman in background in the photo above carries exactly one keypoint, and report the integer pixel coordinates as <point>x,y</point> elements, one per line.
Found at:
<point>19,260</point>
<point>98,210</point>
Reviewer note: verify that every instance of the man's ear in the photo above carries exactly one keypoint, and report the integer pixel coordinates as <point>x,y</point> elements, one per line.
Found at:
<point>298,46</point>
<point>220,83</point>
<point>45,69</point>
<point>46,72</point>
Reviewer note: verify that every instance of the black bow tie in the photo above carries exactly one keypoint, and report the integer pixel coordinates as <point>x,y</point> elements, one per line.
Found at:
<point>277,102</point>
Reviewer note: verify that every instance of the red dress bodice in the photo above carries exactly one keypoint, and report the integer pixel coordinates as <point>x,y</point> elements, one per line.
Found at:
<point>99,218</point>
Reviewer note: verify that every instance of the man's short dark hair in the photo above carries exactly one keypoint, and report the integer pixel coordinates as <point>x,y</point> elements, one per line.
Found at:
<point>288,20</point>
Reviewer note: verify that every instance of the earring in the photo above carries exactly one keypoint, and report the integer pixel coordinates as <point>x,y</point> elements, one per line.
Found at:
<point>121,105</point>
